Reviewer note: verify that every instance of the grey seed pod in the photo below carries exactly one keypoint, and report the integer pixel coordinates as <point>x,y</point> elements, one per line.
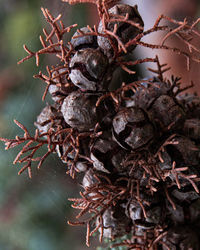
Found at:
<point>142,235</point>
<point>194,211</point>
<point>135,211</point>
<point>118,159</point>
<point>107,156</point>
<point>66,151</point>
<point>59,92</point>
<point>125,31</point>
<point>136,171</point>
<point>101,154</point>
<point>165,112</point>
<point>177,215</point>
<point>88,179</point>
<point>115,222</point>
<point>60,76</point>
<point>129,102</point>
<point>131,128</point>
<point>138,174</point>
<point>81,166</point>
<point>88,70</point>
<point>79,111</point>
<point>48,118</point>
<point>144,225</point>
<point>146,95</point>
<point>167,161</point>
<point>83,41</point>
<point>148,197</point>
<point>184,153</point>
<point>107,108</point>
<point>187,194</point>
<point>191,128</point>
<point>191,104</point>
<point>182,237</point>
<point>153,215</point>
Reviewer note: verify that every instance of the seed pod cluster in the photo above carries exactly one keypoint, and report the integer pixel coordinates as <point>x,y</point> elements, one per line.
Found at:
<point>137,148</point>
<point>146,146</point>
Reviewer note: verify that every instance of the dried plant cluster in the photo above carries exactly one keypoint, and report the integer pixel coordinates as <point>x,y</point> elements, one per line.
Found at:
<point>137,147</point>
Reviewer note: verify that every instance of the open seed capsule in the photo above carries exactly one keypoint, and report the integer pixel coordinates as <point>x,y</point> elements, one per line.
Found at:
<point>132,129</point>
<point>88,70</point>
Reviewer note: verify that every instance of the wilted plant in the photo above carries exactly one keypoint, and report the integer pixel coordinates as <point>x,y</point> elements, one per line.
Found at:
<point>138,146</point>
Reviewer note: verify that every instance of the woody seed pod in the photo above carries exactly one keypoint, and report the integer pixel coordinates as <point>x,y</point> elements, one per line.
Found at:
<point>125,31</point>
<point>135,211</point>
<point>88,70</point>
<point>165,112</point>
<point>79,111</point>
<point>59,92</point>
<point>194,211</point>
<point>132,129</point>
<point>192,128</point>
<point>191,104</point>
<point>107,155</point>
<point>153,212</point>
<point>115,222</point>
<point>185,195</point>
<point>47,119</point>
<point>175,215</point>
<point>184,152</point>
<point>146,95</point>
<point>88,179</point>
<point>83,41</point>
<point>100,154</point>
<point>183,237</point>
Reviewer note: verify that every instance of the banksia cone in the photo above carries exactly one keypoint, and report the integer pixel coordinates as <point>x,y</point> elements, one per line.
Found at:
<point>138,147</point>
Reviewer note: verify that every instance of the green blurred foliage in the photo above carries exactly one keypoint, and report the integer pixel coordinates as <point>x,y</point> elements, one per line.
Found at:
<point>33,213</point>
<point>15,35</point>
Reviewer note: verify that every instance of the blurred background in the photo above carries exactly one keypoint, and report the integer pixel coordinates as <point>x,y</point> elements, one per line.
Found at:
<point>34,213</point>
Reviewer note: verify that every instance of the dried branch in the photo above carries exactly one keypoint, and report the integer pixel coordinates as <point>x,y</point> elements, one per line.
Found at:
<point>57,31</point>
<point>95,200</point>
<point>38,139</point>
